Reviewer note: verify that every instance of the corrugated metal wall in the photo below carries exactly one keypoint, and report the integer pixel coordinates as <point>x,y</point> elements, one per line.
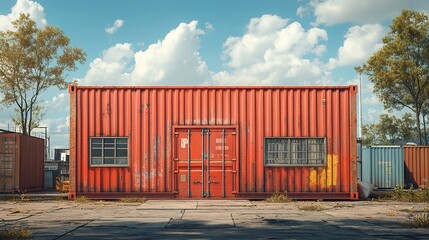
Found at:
<point>147,114</point>
<point>416,165</point>
<point>383,166</point>
<point>21,163</point>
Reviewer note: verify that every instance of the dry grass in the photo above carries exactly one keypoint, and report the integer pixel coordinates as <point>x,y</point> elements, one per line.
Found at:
<point>315,206</point>
<point>14,232</point>
<point>133,200</point>
<point>411,195</point>
<point>419,220</point>
<point>82,199</point>
<point>278,198</point>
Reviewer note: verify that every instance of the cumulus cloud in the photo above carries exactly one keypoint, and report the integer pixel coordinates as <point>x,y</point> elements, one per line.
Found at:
<point>174,60</point>
<point>34,9</point>
<point>111,68</point>
<point>359,44</point>
<point>331,12</point>
<point>116,25</point>
<point>272,51</point>
<point>301,11</point>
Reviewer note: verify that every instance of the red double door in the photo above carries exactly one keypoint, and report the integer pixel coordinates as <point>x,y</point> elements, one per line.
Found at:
<point>205,162</point>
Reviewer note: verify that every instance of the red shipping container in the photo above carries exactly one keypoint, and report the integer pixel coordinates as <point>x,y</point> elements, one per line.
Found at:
<point>213,142</point>
<point>416,159</point>
<point>21,163</point>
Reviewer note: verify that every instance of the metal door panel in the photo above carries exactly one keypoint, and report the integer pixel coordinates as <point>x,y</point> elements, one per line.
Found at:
<point>205,162</point>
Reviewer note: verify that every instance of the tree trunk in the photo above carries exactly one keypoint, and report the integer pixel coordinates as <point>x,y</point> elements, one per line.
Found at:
<point>419,129</point>
<point>425,130</point>
<point>23,122</point>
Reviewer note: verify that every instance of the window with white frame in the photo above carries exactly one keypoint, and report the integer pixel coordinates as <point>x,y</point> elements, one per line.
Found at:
<point>109,151</point>
<point>285,151</point>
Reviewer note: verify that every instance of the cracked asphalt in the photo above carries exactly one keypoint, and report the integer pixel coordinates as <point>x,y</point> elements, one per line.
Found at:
<point>212,219</point>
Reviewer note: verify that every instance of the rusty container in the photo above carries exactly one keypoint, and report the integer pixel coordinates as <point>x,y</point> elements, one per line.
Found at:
<point>416,160</point>
<point>21,163</point>
<point>213,142</point>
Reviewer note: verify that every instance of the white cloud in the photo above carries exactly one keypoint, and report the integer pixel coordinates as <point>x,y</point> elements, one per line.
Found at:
<point>209,26</point>
<point>116,25</point>
<point>111,68</point>
<point>57,120</point>
<point>301,11</point>
<point>58,103</point>
<point>35,10</point>
<point>359,44</point>
<point>174,60</point>
<point>372,100</point>
<point>331,12</point>
<point>274,52</point>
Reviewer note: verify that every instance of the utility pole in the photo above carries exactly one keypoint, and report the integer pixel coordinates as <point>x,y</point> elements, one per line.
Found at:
<point>46,142</point>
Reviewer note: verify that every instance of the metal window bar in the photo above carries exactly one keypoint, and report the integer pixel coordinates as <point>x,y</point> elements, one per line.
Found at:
<point>295,151</point>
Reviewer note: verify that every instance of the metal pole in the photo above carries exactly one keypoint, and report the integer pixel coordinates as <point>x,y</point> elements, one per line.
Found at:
<point>223,162</point>
<point>360,105</point>
<point>202,163</point>
<point>189,163</point>
<point>359,140</point>
<point>208,163</point>
<point>46,141</point>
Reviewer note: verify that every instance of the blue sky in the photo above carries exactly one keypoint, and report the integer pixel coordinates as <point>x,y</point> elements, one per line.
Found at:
<point>137,42</point>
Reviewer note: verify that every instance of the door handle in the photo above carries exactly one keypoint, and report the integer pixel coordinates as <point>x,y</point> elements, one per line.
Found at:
<point>196,182</point>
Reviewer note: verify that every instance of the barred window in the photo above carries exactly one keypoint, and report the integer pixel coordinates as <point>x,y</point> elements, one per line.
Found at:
<point>109,151</point>
<point>295,151</point>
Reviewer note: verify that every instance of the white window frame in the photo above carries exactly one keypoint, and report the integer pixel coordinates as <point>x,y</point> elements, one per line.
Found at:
<point>114,148</point>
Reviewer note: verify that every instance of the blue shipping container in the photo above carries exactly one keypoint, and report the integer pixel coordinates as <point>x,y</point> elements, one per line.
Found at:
<point>383,166</point>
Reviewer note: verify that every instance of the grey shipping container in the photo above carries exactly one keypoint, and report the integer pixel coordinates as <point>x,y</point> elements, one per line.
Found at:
<point>383,166</point>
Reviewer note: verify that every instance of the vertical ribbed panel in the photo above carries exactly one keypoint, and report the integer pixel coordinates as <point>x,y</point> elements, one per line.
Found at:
<point>366,164</point>
<point>383,166</point>
<point>22,160</point>
<point>146,116</point>
<point>417,165</point>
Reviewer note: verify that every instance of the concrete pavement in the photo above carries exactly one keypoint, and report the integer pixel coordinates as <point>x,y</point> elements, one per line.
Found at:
<point>212,219</point>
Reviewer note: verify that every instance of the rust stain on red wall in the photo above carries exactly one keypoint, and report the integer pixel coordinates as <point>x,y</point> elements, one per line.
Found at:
<point>153,117</point>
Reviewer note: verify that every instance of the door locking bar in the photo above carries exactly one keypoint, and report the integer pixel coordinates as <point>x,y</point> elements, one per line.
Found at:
<point>202,162</point>
<point>189,164</point>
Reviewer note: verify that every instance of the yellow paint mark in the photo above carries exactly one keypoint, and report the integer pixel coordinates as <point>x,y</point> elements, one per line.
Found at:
<point>334,170</point>
<point>322,178</point>
<point>331,171</point>
<point>313,179</point>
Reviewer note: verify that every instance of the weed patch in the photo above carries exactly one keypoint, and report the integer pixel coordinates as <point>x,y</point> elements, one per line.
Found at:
<point>134,200</point>
<point>82,199</point>
<point>14,232</point>
<point>310,206</point>
<point>278,198</point>
<point>419,219</point>
<point>411,195</point>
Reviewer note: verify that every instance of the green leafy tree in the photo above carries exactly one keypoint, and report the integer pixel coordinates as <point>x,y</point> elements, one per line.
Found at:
<point>370,135</point>
<point>389,130</point>
<point>400,69</point>
<point>31,61</point>
<point>407,127</point>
